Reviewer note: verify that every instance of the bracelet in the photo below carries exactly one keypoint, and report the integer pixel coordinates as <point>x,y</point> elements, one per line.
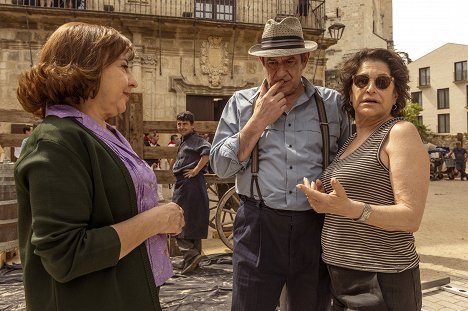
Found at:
<point>366,212</point>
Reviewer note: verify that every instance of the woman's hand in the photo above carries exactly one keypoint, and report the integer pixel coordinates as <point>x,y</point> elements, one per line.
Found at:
<point>170,218</point>
<point>163,219</point>
<point>336,202</point>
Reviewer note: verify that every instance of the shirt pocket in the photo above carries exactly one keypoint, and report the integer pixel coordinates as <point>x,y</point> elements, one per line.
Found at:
<point>311,133</point>
<point>335,133</point>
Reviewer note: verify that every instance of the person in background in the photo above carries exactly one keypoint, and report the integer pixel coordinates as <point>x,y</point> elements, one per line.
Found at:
<point>276,234</point>
<point>460,159</point>
<point>27,130</point>
<point>155,163</point>
<point>374,191</point>
<point>91,235</point>
<point>146,141</point>
<point>151,140</point>
<point>190,191</point>
<point>174,142</point>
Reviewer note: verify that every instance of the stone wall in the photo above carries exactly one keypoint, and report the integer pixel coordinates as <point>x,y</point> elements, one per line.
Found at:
<point>368,24</point>
<point>174,58</point>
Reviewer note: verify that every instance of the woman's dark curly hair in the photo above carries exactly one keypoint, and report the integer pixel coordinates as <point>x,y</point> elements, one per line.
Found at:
<point>398,71</point>
<point>70,66</point>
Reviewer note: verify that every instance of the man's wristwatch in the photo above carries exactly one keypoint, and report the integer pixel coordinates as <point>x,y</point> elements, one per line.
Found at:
<point>366,212</point>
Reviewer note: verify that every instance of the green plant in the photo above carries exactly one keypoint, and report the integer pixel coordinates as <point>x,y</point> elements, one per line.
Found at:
<point>411,113</point>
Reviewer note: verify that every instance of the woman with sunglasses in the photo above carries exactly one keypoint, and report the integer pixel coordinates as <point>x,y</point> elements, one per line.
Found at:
<point>374,192</point>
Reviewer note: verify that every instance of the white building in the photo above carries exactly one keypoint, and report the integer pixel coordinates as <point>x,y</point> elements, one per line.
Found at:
<point>439,83</point>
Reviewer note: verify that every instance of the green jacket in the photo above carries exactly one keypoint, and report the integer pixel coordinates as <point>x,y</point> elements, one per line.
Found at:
<point>71,187</point>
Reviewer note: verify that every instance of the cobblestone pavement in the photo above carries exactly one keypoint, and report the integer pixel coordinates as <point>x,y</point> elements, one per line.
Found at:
<point>442,242</point>
<point>436,299</point>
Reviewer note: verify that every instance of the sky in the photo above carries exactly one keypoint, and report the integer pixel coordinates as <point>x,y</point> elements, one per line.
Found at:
<point>421,26</point>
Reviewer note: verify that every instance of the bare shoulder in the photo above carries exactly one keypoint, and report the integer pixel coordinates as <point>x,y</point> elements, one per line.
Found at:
<point>404,130</point>
<point>404,135</point>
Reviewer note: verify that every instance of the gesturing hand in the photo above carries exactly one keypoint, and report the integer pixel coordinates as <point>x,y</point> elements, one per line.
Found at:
<point>325,203</point>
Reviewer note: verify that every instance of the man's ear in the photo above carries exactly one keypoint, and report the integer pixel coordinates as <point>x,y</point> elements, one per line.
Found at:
<point>305,59</point>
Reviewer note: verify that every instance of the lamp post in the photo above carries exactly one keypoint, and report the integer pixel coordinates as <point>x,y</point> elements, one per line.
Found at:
<point>336,30</point>
<point>331,74</point>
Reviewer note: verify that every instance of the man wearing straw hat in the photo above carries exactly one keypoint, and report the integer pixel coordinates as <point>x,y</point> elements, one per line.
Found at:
<point>270,138</point>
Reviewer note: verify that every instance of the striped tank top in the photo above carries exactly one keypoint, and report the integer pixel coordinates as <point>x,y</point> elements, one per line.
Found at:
<point>349,244</point>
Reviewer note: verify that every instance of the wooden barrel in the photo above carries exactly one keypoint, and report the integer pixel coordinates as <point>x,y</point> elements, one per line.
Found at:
<point>8,209</point>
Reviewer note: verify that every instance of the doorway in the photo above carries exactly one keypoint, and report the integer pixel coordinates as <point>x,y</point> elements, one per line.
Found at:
<point>206,108</point>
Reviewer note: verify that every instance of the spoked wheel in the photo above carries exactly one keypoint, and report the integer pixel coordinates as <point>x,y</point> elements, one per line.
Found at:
<point>225,215</point>
<point>215,192</point>
<point>213,199</point>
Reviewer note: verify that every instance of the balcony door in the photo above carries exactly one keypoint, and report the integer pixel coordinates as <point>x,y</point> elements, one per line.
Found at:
<point>215,9</point>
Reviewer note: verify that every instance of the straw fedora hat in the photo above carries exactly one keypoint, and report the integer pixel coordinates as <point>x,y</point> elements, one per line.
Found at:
<point>282,38</point>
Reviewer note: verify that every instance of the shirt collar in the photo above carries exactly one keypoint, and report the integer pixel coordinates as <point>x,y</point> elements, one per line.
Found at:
<point>67,111</point>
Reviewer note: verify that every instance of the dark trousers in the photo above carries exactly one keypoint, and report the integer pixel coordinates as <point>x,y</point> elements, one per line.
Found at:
<point>273,248</point>
<point>373,291</point>
<point>190,248</point>
<point>461,167</point>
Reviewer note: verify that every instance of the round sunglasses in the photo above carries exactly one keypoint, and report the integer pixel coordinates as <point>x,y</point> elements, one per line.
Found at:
<point>381,82</point>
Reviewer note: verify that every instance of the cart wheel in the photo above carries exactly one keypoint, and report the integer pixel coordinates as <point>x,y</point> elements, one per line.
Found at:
<point>213,201</point>
<point>225,215</point>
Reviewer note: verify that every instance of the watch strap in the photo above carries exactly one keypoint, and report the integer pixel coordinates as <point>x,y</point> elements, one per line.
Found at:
<point>366,212</point>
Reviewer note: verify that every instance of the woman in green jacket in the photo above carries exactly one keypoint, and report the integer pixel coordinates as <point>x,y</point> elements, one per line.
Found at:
<point>91,234</point>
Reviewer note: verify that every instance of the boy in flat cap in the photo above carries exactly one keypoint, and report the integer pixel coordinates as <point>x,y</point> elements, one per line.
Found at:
<point>270,137</point>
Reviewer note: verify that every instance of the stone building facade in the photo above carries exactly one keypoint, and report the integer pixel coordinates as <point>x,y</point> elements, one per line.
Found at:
<point>369,23</point>
<point>181,62</point>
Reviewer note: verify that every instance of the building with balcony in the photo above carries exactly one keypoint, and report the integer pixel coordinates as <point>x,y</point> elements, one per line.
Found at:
<point>439,84</point>
<point>191,54</point>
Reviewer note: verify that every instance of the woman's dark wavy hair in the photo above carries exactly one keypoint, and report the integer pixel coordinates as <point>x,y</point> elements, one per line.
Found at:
<point>70,66</point>
<point>398,71</point>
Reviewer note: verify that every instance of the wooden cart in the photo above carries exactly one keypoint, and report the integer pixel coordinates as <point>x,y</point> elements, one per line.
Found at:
<point>223,198</point>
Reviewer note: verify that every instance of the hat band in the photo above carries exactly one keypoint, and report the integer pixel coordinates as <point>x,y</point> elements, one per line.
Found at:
<point>283,42</point>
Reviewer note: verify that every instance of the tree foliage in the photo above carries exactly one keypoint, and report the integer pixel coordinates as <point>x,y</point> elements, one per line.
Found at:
<point>404,56</point>
<point>411,113</point>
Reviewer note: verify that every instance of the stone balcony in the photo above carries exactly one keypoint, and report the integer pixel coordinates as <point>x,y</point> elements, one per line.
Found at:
<point>237,12</point>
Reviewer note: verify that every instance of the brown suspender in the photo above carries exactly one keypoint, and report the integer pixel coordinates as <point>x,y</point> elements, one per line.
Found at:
<point>324,129</point>
<point>254,164</point>
<point>325,141</point>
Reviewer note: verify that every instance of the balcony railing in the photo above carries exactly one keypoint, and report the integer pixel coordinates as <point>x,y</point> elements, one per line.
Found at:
<point>311,12</point>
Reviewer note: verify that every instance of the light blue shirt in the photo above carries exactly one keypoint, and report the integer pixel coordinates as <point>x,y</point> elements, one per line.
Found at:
<point>289,149</point>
